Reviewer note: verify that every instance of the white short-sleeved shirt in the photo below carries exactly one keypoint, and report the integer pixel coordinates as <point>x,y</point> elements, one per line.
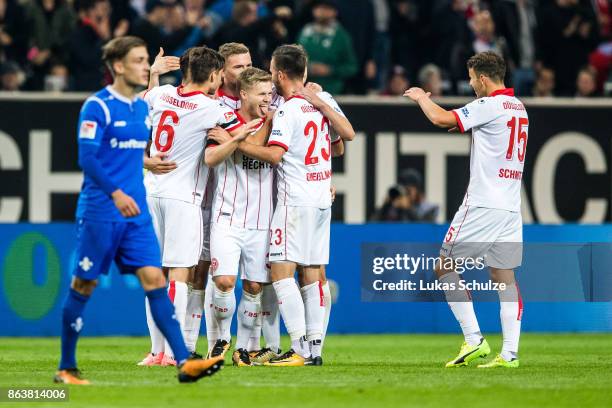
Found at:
<point>500,128</point>
<point>304,173</point>
<point>243,197</point>
<point>180,123</point>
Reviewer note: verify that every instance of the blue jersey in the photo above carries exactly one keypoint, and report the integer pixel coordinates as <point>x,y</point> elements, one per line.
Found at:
<point>113,132</point>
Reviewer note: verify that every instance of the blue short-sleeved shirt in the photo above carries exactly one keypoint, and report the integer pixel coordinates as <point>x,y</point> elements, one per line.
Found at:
<point>119,129</point>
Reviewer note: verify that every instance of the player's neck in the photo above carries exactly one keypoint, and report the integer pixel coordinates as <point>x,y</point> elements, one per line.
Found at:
<point>123,88</point>
<point>245,114</point>
<point>229,91</point>
<point>495,87</point>
<point>292,89</point>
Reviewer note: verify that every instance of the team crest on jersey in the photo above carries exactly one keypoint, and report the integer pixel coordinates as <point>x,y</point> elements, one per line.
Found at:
<point>214,264</point>
<point>88,129</point>
<point>229,116</point>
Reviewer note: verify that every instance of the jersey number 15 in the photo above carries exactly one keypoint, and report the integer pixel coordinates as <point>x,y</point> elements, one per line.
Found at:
<point>520,136</point>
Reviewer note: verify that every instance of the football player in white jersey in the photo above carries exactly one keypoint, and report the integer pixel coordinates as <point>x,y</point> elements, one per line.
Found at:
<point>181,117</point>
<point>242,211</point>
<point>488,223</point>
<point>301,220</point>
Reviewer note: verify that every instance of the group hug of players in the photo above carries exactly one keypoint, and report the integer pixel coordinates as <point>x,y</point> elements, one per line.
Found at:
<point>217,142</point>
<point>239,181</point>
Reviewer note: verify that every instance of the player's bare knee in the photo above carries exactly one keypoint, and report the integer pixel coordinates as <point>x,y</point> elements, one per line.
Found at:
<point>252,287</point>
<point>82,286</point>
<point>180,274</point>
<point>225,283</point>
<point>502,275</point>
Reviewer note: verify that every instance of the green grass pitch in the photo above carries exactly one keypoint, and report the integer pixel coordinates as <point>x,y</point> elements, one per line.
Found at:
<point>364,371</point>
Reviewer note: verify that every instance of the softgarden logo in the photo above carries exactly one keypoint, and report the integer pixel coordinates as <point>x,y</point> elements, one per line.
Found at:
<point>28,297</point>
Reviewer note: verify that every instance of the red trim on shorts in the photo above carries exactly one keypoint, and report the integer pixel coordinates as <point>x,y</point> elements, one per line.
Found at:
<point>321,295</point>
<point>235,191</point>
<point>458,231</point>
<point>461,128</point>
<point>222,191</point>
<point>172,291</point>
<point>519,315</point>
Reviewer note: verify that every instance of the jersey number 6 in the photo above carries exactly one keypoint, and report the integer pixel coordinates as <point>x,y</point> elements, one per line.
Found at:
<point>162,126</point>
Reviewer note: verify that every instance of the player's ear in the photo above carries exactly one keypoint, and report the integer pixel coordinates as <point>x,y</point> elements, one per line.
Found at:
<point>243,93</point>
<point>118,67</point>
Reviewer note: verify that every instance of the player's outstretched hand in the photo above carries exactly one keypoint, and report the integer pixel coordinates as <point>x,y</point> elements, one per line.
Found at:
<point>219,135</point>
<point>157,164</point>
<point>163,65</point>
<point>125,204</point>
<point>416,93</point>
<point>314,87</point>
<point>311,97</point>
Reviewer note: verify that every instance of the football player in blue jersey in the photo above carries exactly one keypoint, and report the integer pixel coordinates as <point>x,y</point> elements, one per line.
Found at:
<point>113,222</point>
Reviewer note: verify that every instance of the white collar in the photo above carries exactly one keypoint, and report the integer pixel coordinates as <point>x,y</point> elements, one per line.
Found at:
<point>120,97</point>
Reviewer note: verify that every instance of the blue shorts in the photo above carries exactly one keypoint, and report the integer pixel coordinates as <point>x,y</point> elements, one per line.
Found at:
<point>131,245</point>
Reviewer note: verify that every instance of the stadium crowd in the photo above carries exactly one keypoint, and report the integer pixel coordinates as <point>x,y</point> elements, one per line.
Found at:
<point>552,47</point>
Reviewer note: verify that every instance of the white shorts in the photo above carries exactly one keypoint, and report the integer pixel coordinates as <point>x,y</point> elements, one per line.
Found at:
<point>496,235</point>
<point>234,248</point>
<point>178,226</point>
<point>300,235</point>
<point>205,254</point>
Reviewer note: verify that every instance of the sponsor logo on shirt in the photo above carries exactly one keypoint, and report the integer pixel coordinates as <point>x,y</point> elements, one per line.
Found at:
<point>120,123</point>
<point>252,164</point>
<point>465,112</point>
<point>88,129</point>
<point>128,144</point>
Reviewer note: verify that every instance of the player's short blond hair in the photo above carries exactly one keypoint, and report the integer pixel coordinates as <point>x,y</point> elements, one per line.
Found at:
<point>252,76</point>
<point>232,48</point>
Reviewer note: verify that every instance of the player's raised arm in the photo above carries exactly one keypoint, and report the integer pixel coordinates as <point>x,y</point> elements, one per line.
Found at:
<point>162,65</point>
<point>435,113</point>
<point>221,143</point>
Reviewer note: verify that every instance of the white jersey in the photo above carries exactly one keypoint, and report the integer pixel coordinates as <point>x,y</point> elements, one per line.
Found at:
<point>500,127</point>
<point>180,122</point>
<point>243,197</point>
<point>230,101</point>
<point>304,173</point>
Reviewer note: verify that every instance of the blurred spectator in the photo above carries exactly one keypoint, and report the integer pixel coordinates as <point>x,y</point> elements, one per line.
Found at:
<point>516,22</point>
<point>395,208</point>
<point>86,42</point>
<point>330,50</point>
<point>398,83</point>
<point>420,209</point>
<point>586,83</point>
<point>601,61</point>
<point>11,77</point>
<point>122,16</point>
<point>404,27</point>
<point>208,21</point>
<point>260,35</point>
<point>382,42</point>
<point>603,10</point>
<point>51,23</point>
<point>57,80</point>
<point>151,29</point>
<point>224,8</point>
<point>567,28</point>
<point>13,32</point>
<point>430,79</point>
<point>545,83</point>
<point>357,18</point>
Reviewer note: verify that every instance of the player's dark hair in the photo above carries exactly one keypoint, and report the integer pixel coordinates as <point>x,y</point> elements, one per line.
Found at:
<point>489,64</point>
<point>117,48</point>
<point>197,63</point>
<point>291,59</point>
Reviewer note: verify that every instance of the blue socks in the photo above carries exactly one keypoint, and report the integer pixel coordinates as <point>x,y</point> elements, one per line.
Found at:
<point>162,311</point>
<point>72,323</point>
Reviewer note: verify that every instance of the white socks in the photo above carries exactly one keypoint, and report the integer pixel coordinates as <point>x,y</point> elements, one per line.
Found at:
<point>157,338</point>
<point>193,319</point>
<point>224,304</point>
<point>314,306</point>
<point>249,311</point>
<point>510,313</point>
<point>462,307</point>
<point>291,308</point>
<point>328,304</point>
<point>270,318</point>
<point>177,291</point>
<point>212,328</point>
